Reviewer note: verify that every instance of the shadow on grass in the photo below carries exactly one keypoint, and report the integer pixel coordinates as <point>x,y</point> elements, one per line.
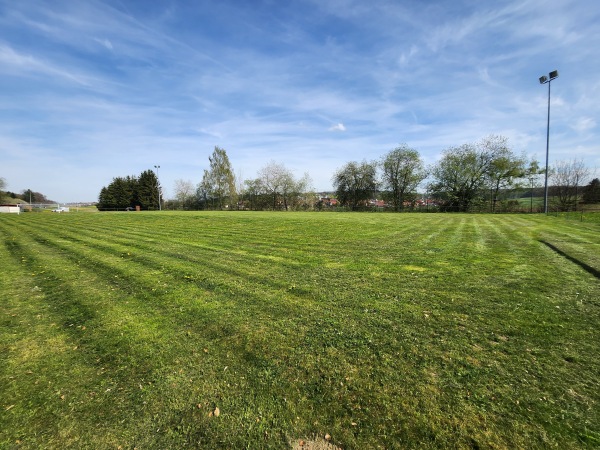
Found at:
<point>56,291</point>
<point>581,264</point>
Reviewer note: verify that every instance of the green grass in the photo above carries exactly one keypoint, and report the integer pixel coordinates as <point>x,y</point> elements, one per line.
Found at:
<point>382,330</point>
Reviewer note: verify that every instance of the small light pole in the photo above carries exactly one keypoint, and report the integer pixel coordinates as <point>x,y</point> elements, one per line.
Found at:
<point>158,187</point>
<point>546,80</point>
<point>531,196</point>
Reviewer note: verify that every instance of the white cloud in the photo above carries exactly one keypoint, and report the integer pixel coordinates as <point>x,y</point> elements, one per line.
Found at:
<point>338,127</point>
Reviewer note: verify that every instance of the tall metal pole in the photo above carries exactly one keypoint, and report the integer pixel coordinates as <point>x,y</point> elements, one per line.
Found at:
<point>547,153</point>
<point>543,80</point>
<point>158,187</point>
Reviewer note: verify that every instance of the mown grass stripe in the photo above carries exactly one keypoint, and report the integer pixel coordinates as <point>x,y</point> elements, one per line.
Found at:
<point>311,323</point>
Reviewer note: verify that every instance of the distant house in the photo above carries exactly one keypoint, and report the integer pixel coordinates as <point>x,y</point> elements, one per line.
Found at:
<point>15,209</point>
<point>328,201</point>
<point>377,203</point>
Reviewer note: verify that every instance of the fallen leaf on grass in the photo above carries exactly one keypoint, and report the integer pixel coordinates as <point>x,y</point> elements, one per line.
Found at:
<point>9,407</point>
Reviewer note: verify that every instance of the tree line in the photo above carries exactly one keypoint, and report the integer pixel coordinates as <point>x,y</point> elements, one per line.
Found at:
<point>26,195</point>
<point>274,188</point>
<point>486,174</point>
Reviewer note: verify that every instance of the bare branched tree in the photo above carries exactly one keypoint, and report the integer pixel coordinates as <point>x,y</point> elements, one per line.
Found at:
<point>567,177</point>
<point>184,192</point>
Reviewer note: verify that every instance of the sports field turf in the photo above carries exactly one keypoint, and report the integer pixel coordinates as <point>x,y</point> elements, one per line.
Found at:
<point>257,330</point>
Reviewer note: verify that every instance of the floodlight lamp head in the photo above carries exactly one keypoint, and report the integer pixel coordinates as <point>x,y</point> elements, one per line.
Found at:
<point>553,74</point>
<point>543,79</point>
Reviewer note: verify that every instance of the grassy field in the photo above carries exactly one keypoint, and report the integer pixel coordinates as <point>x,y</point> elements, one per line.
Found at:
<point>258,330</point>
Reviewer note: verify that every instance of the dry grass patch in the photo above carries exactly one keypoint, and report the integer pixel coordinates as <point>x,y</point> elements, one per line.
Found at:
<point>316,443</point>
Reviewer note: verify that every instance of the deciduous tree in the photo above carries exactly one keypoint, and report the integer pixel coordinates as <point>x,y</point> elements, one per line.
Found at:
<point>34,197</point>
<point>505,167</point>
<point>566,179</point>
<point>254,190</point>
<point>459,177</point>
<point>465,173</point>
<point>218,182</point>
<point>403,171</point>
<point>355,183</point>
<point>184,193</point>
<point>272,178</point>
<point>279,183</point>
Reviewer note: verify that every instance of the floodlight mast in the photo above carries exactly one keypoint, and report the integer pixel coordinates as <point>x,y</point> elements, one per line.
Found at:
<point>546,80</point>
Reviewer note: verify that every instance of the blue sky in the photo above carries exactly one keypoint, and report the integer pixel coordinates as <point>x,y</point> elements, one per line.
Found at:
<point>97,89</point>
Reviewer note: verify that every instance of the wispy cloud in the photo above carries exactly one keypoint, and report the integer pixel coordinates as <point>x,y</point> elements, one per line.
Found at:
<point>104,42</point>
<point>27,65</point>
<point>583,124</point>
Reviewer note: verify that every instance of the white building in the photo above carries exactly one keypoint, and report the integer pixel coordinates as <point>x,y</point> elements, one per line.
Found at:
<point>16,209</point>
